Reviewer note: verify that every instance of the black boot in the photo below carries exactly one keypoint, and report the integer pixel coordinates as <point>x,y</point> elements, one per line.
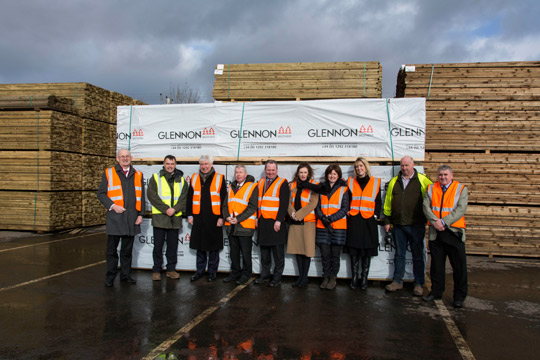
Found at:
<point>300,264</point>
<point>366,262</point>
<point>354,271</point>
<point>305,280</point>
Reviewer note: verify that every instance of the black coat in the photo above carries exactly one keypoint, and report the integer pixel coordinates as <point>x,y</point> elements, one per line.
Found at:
<point>266,236</point>
<point>363,233</point>
<point>205,234</point>
<point>121,224</point>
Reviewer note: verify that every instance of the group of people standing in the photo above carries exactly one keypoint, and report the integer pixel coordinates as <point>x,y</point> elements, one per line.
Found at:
<point>336,214</point>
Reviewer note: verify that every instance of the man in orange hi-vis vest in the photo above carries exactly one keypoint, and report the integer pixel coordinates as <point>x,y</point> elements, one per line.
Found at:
<point>206,194</point>
<point>240,213</point>
<point>445,204</point>
<point>272,231</point>
<point>121,193</point>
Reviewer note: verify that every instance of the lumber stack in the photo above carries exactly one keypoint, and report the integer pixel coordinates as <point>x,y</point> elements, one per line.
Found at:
<point>40,130</point>
<point>293,81</point>
<point>55,142</point>
<point>483,119</point>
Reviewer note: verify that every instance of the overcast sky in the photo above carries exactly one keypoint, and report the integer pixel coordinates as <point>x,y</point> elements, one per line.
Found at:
<point>141,48</point>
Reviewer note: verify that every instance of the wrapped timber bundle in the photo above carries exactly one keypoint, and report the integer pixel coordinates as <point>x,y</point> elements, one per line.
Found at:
<point>293,81</point>
<point>55,141</point>
<point>483,119</point>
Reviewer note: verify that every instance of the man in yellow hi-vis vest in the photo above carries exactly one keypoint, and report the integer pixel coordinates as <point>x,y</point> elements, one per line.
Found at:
<point>167,192</point>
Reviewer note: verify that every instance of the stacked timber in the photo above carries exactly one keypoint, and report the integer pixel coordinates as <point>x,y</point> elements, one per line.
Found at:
<point>294,81</point>
<point>55,142</point>
<point>483,119</point>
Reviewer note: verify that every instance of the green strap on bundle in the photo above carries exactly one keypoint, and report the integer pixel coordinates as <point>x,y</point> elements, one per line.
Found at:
<point>129,134</point>
<point>364,79</point>
<point>240,133</point>
<point>37,172</point>
<point>390,133</point>
<point>430,79</point>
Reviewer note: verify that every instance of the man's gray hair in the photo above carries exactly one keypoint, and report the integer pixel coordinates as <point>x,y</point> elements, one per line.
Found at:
<point>240,166</point>
<point>208,158</point>
<point>444,168</point>
<point>121,149</point>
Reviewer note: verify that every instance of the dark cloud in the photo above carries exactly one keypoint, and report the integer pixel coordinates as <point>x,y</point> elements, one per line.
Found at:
<point>142,48</point>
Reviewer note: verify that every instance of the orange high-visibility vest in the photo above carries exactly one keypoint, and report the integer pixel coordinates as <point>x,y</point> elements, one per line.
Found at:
<point>449,201</point>
<point>238,202</point>
<point>304,200</point>
<point>269,201</point>
<point>215,189</point>
<point>332,206</point>
<point>363,201</point>
<point>114,188</point>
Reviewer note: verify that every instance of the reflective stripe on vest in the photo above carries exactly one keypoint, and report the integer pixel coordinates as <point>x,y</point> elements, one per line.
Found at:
<point>238,202</point>
<point>449,201</point>
<point>269,201</point>
<point>332,206</point>
<point>114,188</point>
<point>164,193</point>
<point>215,197</point>
<point>363,201</point>
<point>304,200</point>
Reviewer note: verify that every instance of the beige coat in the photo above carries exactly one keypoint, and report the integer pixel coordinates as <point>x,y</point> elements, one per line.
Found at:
<point>301,239</point>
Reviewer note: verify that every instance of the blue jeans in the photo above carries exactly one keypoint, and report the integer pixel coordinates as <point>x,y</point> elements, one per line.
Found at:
<point>414,236</point>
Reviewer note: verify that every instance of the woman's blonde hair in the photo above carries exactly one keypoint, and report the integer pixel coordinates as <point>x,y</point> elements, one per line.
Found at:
<point>364,161</point>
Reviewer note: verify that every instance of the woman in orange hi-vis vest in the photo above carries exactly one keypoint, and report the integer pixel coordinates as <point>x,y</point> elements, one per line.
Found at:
<point>362,231</point>
<point>301,239</point>
<point>331,212</point>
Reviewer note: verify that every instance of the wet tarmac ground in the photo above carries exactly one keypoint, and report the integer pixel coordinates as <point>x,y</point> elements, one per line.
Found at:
<point>54,305</point>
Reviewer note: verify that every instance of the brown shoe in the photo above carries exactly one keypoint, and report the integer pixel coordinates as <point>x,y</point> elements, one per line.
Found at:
<point>331,283</point>
<point>173,275</point>
<point>156,276</point>
<point>418,290</point>
<point>325,282</point>
<point>394,286</point>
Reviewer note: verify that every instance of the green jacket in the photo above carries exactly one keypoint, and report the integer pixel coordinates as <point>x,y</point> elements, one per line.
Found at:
<point>163,220</point>
<point>404,207</point>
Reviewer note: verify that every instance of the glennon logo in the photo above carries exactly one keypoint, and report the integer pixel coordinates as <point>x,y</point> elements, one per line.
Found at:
<point>123,136</point>
<point>190,134</point>
<point>341,133</point>
<point>137,133</point>
<point>208,132</point>
<point>184,239</point>
<point>282,131</point>
<point>408,132</point>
